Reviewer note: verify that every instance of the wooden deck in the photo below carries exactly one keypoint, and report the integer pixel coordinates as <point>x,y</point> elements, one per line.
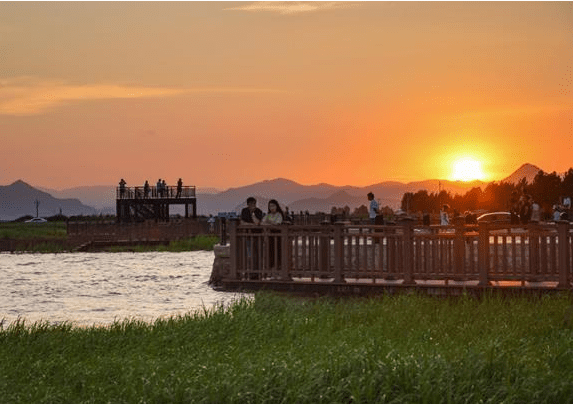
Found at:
<point>348,259</point>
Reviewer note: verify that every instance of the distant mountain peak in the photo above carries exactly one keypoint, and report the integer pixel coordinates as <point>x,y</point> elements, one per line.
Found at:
<point>527,171</point>
<point>20,183</point>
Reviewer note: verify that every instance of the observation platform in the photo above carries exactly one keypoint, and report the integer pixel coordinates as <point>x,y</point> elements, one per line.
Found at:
<point>138,204</point>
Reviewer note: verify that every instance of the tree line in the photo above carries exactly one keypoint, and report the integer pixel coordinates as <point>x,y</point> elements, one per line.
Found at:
<point>546,189</point>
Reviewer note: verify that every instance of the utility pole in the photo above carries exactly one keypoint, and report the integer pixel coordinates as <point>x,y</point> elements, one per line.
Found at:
<point>37,202</point>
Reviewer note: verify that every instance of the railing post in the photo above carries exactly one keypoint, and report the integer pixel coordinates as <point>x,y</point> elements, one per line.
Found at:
<point>483,254</point>
<point>223,231</point>
<point>533,230</point>
<point>234,249</point>
<point>408,251</point>
<point>563,245</point>
<point>459,246</point>
<point>338,253</point>
<point>285,253</point>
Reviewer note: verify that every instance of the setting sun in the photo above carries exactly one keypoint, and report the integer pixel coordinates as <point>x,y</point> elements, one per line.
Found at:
<point>467,169</point>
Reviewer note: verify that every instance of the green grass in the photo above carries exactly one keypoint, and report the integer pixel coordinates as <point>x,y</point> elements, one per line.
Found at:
<point>23,231</point>
<point>403,349</point>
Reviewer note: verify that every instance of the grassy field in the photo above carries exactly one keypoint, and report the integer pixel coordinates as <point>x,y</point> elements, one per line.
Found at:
<point>274,349</point>
<point>48,237</point>
<point>24,231</point>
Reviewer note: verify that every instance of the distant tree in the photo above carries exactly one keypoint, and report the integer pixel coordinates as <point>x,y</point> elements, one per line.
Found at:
<point>361,211</point>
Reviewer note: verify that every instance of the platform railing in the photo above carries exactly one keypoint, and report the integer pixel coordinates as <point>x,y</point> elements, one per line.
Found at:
<point>169,192</point>
<point>365,253</point>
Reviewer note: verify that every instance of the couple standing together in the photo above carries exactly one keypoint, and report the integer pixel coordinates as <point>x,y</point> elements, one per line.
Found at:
<point>253,215</point>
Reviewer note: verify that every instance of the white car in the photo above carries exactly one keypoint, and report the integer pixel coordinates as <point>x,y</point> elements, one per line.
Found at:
<point>36,220</point>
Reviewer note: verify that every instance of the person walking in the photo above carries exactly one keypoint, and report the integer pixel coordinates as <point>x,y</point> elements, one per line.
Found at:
<point>373,210</point>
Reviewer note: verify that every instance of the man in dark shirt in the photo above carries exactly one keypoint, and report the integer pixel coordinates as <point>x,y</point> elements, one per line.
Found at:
<point>251,214</point>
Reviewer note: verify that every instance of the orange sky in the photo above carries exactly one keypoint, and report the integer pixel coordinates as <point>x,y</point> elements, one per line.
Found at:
<point>227,94</point>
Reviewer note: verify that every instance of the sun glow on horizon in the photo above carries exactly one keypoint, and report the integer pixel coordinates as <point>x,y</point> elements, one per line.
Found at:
<point>467,169</point>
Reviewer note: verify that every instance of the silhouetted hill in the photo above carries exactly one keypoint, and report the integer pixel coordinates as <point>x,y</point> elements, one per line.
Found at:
<point>527,171</point>
<point>320,197</point>
<point>18,199</point>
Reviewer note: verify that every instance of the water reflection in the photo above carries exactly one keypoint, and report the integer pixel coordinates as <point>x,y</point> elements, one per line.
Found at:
<point>98,288</point>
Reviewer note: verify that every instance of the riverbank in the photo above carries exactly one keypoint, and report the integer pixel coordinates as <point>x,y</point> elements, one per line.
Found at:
<point>280,349</point>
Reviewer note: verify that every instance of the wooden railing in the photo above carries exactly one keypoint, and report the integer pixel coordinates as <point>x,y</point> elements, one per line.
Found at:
<point>169,192</point>
<point>365,253</point>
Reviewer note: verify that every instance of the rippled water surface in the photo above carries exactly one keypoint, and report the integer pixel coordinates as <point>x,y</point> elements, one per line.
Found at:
<point>98,288</point>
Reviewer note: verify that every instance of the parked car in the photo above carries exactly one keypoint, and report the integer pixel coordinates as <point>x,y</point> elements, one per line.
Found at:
<point>36,220</point>
<point>495,218</point>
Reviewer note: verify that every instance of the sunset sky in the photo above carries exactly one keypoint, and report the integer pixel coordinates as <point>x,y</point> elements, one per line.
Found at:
<point>227,94</point>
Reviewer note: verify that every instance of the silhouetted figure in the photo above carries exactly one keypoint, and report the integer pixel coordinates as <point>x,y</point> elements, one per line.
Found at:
<point>146,189</point>
<point>122,188</point>
<point>164,190</point>
<point>158,190</point>
<point>179,188</point>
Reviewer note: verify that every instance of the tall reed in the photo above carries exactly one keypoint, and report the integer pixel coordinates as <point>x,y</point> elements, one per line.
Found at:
<point>290,350</point>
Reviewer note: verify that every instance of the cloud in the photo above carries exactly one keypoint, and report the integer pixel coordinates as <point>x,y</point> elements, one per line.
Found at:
<point>292,7</point>
<point>31,96</point>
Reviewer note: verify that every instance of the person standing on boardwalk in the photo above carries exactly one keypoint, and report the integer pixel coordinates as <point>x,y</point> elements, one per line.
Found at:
<point>122,188</point>
<point>146,190</point>
<point>373,210</point>
<point>444,215</point>
<point>274,216</point>
<point>211,222</point>
<point>164,190</point>
<point>179,188</point>
<point>251,215</point>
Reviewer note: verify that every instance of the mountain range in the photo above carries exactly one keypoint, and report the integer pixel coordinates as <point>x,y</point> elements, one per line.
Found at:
<point>18,198</point>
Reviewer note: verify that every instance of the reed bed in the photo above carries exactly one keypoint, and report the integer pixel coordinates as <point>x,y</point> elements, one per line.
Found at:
<point>277,349</point>
<point>24,231</point>
<point>196,243</point>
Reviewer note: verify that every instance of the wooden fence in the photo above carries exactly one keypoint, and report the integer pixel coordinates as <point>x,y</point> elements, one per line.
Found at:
<point>341,253</point>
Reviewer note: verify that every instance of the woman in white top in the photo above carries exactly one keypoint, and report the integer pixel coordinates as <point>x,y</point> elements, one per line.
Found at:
<point>274,217</point>
<point>275,214</point>
<point>444,217</point>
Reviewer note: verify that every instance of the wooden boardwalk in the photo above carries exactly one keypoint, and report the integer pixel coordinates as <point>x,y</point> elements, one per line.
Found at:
<point>365,259</point>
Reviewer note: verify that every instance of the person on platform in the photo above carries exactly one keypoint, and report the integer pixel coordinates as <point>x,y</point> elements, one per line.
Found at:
<point>122,188</point>
<point>211,222</point>
<point>158,188</point>
<point>179,188</point>
<point>164,190</point>
<point>373,210</point>
<point>274,216</point>
<point>146,189</point>
<point>251,214</point>
<point>444,215</point>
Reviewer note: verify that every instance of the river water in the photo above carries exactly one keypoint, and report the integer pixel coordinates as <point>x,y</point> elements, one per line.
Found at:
<point>99,288</point>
